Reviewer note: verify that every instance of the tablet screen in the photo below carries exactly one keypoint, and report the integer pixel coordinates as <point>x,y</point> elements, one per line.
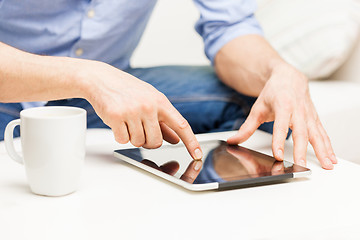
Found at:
<point>221,162</point>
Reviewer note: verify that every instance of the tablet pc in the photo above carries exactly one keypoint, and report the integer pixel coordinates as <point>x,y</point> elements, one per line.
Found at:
<point>222,167</point>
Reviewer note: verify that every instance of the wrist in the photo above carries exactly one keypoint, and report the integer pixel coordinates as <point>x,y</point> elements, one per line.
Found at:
<point>283,71</point>
<point>274,65</point>
<point>79,79</point>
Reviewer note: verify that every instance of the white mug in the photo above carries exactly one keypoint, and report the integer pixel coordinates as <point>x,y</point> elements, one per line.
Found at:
<point>53,148</point>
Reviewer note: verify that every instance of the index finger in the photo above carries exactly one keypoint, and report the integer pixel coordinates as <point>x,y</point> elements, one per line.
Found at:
<point>173,119</point>
<point>252,122</point>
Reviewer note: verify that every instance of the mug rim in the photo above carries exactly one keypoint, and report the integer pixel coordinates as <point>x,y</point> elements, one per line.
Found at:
<point>30,113</point>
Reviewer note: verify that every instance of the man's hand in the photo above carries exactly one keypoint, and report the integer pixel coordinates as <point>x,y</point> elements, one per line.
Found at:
<point>251,66</point>
<point>285,100</point>
<point>134,109</point>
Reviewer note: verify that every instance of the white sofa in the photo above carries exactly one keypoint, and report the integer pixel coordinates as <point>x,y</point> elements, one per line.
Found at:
<point>170,38</point>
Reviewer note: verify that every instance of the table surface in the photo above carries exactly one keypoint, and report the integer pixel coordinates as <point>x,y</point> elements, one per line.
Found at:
<point>118,201</point>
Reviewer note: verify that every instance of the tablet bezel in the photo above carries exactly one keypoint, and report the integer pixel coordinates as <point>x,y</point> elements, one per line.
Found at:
<point>263,180</point>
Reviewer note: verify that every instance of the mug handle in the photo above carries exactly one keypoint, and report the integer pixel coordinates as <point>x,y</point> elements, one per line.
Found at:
<point>9,141</point>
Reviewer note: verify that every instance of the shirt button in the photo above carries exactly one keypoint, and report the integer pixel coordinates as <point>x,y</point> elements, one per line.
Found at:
<point>91,13</point>
<point>79,52</point>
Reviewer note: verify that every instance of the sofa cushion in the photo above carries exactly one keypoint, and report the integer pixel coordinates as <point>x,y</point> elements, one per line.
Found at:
<point>314,36</point>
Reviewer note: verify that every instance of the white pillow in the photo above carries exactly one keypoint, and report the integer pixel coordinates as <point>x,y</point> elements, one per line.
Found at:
<point>315,36</point>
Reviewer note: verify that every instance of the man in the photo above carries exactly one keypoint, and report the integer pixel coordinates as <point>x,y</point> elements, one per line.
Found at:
<point>74,50</point>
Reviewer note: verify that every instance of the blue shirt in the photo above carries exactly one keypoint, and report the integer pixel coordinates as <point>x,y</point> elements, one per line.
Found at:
<point>109,30</point>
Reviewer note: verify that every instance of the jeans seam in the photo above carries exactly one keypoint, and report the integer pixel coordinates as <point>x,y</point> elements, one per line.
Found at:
<point>10,112</point>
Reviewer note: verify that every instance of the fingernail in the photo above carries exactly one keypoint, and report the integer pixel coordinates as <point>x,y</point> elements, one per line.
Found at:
<point>280,154</point>
<point>198,154</point>
<point>302,163</point>
<point>328,163</point>
<point>198,164</point>
<point>333,158</point>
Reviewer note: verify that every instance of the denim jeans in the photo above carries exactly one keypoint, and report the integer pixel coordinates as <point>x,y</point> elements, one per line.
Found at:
<point>195,91</point>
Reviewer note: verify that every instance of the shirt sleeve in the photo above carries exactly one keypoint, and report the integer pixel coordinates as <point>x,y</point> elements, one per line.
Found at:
<point>224,20</point>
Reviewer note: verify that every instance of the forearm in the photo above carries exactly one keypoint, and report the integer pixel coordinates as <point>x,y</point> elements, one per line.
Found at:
<point>246,63</point>
<point>29,77</point>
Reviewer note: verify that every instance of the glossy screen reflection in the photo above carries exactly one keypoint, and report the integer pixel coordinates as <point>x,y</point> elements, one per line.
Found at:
<point>221,163</point>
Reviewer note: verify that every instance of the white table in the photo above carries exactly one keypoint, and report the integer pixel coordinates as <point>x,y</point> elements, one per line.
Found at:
<point>117,201</point>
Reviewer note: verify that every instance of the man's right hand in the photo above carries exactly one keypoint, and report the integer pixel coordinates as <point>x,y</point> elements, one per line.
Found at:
<point>134,109</point>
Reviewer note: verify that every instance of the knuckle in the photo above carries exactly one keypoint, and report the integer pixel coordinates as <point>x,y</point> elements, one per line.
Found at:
<point>137,143</point>
<point>255,113</point>
<point>117,117</point>
<point>120,136</point>
<point>312,126</point>
<point>161,99</point>
<point>300,136</point>
<point>147,108</point>
<point>287,107</point>
<point>154,143</point>
<point>119,114</point>
<point>327,138</point>
<point>258,116</point>
<point>183,123</point>
<point>110,115</point>
<point>131,113</point>
<point>193,143</point>
<point>315,136</point>
<point>158,141</point>
<point>157,144</point>
<point>322,154</point>
<point>283,130</point>
<point>316,120</point>
<point>245,130</point>
<point>122,140</point>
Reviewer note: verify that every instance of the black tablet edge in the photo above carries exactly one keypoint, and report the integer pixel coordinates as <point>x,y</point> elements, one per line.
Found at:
<point>254,181</point>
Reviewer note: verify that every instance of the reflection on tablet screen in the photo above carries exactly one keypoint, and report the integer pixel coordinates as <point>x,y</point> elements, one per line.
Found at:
<point>221,163</point>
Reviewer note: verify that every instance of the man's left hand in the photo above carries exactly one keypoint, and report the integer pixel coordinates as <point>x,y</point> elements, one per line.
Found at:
<point>285,99</point>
